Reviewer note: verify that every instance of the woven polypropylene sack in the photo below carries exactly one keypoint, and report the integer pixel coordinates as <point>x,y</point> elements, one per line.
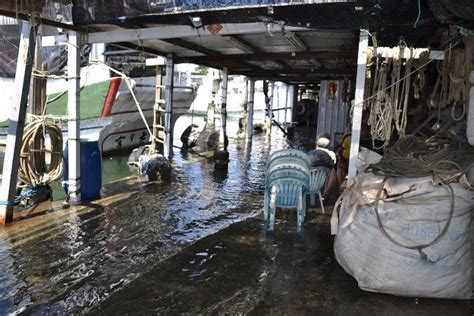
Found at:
<point>379,265</point>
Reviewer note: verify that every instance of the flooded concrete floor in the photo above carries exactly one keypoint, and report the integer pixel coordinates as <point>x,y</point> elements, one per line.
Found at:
<point>62,261</point>
<point>195,245</point>
<point>246,270</point>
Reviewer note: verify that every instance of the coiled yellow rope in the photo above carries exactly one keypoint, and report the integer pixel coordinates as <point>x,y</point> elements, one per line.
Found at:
<point>29,171</point>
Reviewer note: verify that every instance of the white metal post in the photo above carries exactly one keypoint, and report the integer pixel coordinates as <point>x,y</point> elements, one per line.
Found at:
<point>250,109</point>
<point>358,102</point>
<point>223,131</point>
<point>73,106</point>
<point>291,100</point>
<point>270,108</point>
<point>278,103</point>
<point>286,102</point>
<point>24,68</point>
<point>168,148</point>
<point>469,61</point>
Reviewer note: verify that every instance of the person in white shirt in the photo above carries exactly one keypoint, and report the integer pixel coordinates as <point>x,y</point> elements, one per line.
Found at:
<point>321,155</point>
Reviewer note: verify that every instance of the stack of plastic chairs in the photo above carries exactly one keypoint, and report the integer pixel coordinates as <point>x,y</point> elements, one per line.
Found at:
<point>287,183</point>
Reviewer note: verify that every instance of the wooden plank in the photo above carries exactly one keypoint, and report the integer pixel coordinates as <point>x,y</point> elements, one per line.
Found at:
<point>24,70</point>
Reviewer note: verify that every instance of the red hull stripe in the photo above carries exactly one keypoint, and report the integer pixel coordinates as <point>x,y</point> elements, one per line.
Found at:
<point>111,95</point>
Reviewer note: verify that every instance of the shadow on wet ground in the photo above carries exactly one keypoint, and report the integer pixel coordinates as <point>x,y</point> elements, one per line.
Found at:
<point>244,269</point>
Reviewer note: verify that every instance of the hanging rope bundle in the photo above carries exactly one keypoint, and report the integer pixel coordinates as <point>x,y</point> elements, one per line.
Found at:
<point>381,112</point>
<point>31,170</point>
<point>401,110</point>
<point>450,85</point>
<point>444,158</point>
<point>389,108</point>
<point>420,78</point>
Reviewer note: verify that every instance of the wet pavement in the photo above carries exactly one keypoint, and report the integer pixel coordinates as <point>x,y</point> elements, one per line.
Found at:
<point>195,245</point>
<point>246,270</point>
<point>66,260</point>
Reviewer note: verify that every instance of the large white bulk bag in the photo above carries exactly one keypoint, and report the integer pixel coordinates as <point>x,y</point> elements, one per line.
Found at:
<point>414,212</point>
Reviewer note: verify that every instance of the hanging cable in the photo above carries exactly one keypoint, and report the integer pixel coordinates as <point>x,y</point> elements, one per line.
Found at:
<point>419,15</point>
<point>130,88</point>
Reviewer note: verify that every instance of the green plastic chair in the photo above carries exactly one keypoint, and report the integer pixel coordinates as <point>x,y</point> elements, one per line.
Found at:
<point>288,155</point>
<point>317,181</point>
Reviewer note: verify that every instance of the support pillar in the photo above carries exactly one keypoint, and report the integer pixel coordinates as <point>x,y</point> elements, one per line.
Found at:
<point>38,101</point>
<point>73,106</point>
<point>278,104</point>
<point>469,62</point>
<point>286,103</point>
<point>291,102</point>
<point>221,155</point>
<point>157,137</point>
<point>250,109</point>
<point>223,131</point>
<point>358,102</point>
<point>24,69</point>
<point>168,146</point>
<point>270,108</point>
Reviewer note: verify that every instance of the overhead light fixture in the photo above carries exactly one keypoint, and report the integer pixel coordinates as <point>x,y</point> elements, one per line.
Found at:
<point>232,41</point>
<point>196,21</point>
<point>295,41</point>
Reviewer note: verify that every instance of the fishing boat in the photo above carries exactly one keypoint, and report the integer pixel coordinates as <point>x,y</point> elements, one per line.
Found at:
<point>108,112</point>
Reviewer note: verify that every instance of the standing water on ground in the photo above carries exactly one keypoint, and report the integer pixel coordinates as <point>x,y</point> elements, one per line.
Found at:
<point>76,258</point>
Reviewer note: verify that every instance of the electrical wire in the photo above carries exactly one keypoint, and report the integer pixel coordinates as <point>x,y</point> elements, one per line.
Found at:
<point>419,15</point>
<point>130,88</point>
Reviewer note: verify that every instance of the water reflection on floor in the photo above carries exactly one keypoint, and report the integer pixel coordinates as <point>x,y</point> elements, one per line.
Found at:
<point>69,260</point>
<point>244,270</point>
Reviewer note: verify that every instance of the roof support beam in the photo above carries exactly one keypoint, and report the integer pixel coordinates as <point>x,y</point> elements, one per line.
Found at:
<point>181,31</point>
<point>191,46</point>
<point>239,43</point>
<point>294,40</point>
<point>299,72</point>
<point>139,48</point>
<point>235,58</point>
